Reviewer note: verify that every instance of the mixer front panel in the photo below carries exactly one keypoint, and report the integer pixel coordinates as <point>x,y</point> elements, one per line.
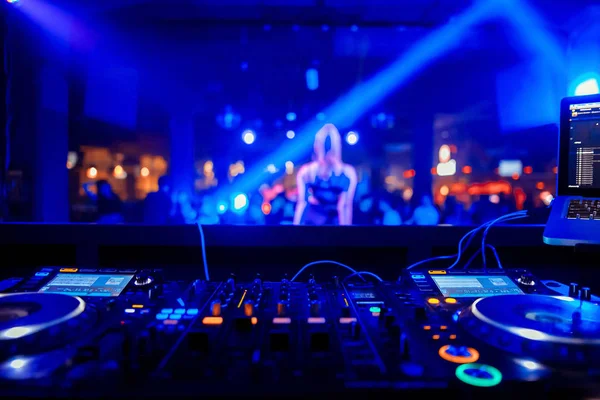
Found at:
<point>88,332</point>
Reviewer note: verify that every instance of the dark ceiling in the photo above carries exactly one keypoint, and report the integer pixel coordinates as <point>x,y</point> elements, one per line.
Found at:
<point>557,14</point>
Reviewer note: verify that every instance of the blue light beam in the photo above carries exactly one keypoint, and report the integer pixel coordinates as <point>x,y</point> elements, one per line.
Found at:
<point>360,99</point>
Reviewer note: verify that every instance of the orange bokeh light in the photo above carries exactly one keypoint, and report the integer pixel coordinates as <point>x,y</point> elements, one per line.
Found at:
<point>539,185</point>
<point>555,170</point>
<point>528,170</point>
<point>515,176</point>
<point>409,174</point>
<point>266,208</point>
<point>434,171</point>
<point>467,169</point>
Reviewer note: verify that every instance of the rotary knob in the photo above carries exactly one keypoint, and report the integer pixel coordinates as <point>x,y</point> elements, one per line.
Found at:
<point>143,279</point>
<point>526,280</point>
<point>573,289</point>
<point>585,294</point>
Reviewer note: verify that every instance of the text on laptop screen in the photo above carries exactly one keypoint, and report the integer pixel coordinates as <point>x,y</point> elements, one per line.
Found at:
<point>584,145</point>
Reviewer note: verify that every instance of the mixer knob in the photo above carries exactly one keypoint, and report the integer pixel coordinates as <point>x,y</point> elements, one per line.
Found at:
<point>281,308</point>
<point>315,307</point>
<point>345,312</point>
<point>143,279</point>
<point>258,282</point>
<point>311,280</point>
<point>196,287</point>
<point>230,284</point>
<point>585,294</point>
<point>573,289</point>
<point>215,308</point>
<point>526,280</point>
<point>248,308</point>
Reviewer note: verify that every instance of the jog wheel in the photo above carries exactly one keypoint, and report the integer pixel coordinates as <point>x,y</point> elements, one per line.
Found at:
<point>551,329</point>
<point>31,323</point>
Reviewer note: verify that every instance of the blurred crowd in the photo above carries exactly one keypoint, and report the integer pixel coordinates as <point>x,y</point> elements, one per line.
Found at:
<point>168,207</point>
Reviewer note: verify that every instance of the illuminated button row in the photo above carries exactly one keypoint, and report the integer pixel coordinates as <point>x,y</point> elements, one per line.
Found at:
<point>441,327</point>
<point>437,337</point>
<point>133,310</point>
<point>447,300</point>
<point>181,311</point>
<point>177,314</point>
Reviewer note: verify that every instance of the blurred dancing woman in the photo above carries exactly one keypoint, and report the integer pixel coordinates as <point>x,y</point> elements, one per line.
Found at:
<point>326,186</point>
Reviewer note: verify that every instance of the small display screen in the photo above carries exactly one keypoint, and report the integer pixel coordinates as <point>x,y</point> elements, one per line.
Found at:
<point>87,284</point>
<point>475,285</point>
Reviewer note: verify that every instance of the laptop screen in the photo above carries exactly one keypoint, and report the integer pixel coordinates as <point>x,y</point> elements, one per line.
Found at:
<point>584,146</point>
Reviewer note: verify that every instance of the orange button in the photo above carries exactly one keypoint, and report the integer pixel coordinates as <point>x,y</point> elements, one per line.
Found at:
<point>212,320</point>
<point>427,328</point>
<point>451,300</point>
<point>435,337</point>
<point>471,355</point>
<point>433,300</point>
<point>443,327</point>
<point>452,337</point>
<point>437,272</point>
<point>69,269</point>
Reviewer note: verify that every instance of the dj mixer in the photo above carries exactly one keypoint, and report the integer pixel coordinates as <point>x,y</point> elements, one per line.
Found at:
<point>88,333</point>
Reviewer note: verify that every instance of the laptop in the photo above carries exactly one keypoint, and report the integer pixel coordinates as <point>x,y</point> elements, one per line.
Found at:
<point>575,214</point>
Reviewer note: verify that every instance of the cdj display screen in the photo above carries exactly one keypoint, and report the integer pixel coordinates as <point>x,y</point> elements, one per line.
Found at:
<point>87,284</point>
<point>475,285</point>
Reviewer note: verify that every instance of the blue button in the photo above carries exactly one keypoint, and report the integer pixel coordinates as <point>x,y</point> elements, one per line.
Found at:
<point>175,316</point>
<point>129,310</point>
<point>180,311</point>
<point>418,277</point>
<point>42,273</point>
<point>188,317</point>
<point>145,311</point>
<point>166,310</point>
<point>161,316</point>
<point>192,311</point>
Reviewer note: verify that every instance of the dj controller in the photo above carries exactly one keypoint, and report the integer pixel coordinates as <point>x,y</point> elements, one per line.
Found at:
<point>69,332</point>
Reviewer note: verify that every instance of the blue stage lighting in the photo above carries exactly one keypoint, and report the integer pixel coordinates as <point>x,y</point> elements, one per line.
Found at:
<point>290,134</point>
<point>248,136</point>
<point>321,116</point>
<point>312,79</point>
<point>291,116</point>
<point>222,207</point>
<point>239,202</point>
<point>12,1</point>
<point>588,86</point>
<point>352,138</point>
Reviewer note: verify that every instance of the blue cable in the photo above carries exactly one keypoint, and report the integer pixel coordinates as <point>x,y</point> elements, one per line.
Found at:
<point>364,273</point>
<point>470,235</point>
<point>323,262</point>
<point>488,246</point>
<point>508,217</point>
<point>203,246</point>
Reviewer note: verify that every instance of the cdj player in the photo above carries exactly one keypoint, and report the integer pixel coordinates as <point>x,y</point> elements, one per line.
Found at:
<point>87,332</point>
